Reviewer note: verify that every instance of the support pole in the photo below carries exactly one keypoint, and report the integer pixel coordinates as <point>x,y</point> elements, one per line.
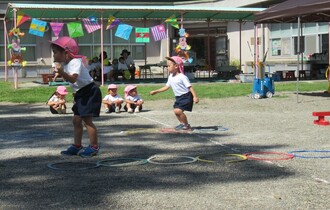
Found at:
<point>298,55</point>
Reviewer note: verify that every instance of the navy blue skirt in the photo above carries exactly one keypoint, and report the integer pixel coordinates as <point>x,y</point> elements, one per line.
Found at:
<point>88,101</point>
<point>184,102</point>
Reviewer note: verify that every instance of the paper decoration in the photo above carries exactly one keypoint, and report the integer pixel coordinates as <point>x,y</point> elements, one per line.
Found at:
<point>142,35</point>
<point>124,31</point>
<point>21,18</point>
<point>182,48</point>
<point>112,22</point>
<point>93,19</point>
<point>16,58</point>
<point>56,27</point>
<point>159,32</point>
<point>172,20</point>
<point>91,26</point>
<point>75,29</point>
<point>37,27</point>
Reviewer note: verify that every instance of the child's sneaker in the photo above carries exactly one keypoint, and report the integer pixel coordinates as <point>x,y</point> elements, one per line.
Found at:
<point>179,127</point>
<point>72,150</point>
<point>59,110</point>
<point>89,151</point>
<point>186,127</point>
<point>117,110</point>
<point>130,110</point>
<point>137,110</point>
<point>107,110</point>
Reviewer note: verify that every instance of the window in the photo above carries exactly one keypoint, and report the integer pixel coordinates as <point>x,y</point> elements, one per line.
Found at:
<point>302,44</point>
<point>324,39</point>
<point>276,47</point>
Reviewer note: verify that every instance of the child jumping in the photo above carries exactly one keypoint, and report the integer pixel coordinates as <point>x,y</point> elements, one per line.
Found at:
<point>133,100</point>
<point>185,95</point>
<point>57,101</point>
<point>87,96</point>
<point>112,101</point>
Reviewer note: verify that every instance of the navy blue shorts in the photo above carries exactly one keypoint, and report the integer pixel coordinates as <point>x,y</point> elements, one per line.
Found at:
<point>184,102</point>
<point>88,101</point>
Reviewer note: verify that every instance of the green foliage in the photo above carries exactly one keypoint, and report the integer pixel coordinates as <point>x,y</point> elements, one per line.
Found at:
<point>203,90</point>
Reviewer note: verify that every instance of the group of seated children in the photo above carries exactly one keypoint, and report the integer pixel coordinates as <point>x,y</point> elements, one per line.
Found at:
<point>112,101</point>
<point>124,67</point>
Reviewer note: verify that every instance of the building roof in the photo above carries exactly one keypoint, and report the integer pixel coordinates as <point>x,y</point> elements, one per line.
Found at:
<point>189,12</point>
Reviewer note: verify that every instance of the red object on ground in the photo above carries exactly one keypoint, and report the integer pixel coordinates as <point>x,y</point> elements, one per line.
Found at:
<point>321,116</point>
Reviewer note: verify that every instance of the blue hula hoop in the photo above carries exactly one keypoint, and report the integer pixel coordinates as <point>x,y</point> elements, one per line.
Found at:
<point>304,151</point>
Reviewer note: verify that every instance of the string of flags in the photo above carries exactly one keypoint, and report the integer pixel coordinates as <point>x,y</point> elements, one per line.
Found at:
<point>91,24</point>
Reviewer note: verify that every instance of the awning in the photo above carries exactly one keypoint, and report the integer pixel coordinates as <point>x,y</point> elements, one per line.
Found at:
<point>189,12</point>
<point>289,11</point>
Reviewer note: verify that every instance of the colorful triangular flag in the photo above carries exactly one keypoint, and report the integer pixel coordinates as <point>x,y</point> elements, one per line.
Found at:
<point>142,35</point>
<point>112,22</point>
<point>37,27</point>
<point>90,25</point>
<point>124,31</point>
<point>158,32</point>
<point>56,27</point>
<point>21,18</point>
<point>172,20</point>
<point>75,29</point>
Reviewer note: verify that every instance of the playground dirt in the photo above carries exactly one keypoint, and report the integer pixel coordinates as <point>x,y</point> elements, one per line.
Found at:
<point>202,169</point>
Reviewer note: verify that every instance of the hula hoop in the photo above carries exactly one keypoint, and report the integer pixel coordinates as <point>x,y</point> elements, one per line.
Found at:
<point>286,155</point>
<point>190,160</point>
<point>301,156</point>
<point>87,166</point>
<point>243,157</point>
<point>130,162</point>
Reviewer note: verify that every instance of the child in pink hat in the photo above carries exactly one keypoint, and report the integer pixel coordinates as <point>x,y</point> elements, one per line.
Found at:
<point>87,95</point>
<point>112,101</point>
<point>133,100</point>
<point>57,102</point>
<point>185,95</point>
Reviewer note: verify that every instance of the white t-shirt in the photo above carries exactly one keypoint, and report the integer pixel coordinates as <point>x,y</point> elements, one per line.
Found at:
<point>54,98</point>
<point>111,98</point>
<point>180,84</point>
<point>107,69</point>
<point>75,66</point>
<point>135,98</point>
<point>122,66</point>
<point>129,61</point>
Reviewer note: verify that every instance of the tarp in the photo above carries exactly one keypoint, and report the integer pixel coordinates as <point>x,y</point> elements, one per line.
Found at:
<point>289,11</point>
<point>57,11</point>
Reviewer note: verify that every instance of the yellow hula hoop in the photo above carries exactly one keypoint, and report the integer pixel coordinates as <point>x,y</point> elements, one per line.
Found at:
<point>242,158</point>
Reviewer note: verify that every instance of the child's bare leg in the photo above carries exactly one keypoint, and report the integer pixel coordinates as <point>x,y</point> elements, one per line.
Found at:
<point>77,129</point>
<point>181,116</point>
<point>91,130</point>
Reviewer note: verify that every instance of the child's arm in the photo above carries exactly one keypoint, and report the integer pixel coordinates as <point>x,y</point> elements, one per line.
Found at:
<point>159,90</point>
<point>195,98</point>
<point>70,78</point>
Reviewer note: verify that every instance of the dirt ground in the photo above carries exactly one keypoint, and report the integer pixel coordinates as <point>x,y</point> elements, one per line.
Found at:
<point>32,138</point>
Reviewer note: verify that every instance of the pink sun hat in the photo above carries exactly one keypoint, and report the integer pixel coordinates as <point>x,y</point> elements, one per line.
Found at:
<point>178,60</point>
<point>112,86</point>
<point>62,90</point>
<point>128,88</point>
<point>69,45</point>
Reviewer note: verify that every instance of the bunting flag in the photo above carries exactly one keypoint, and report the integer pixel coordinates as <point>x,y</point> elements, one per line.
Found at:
<point>91,25</point>
<point>75,29</point>
<point>112,22</point>
<point>56,27</point>
<point>37,27</point>
<point>124,31</point>
<point>21,18</point>
<point>142,35</point>
<point>159,32</point>
<point>172,20</point>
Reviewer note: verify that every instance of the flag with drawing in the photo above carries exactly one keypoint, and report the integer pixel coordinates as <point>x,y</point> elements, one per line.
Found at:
<point>173,21</point>
<point>142,35</point>
<point>159,32</point>
<point>112,22</point>
<point>56,27</point>
<point>21,18</point>
<point>90,25</point>
<point>124,31</point>
<point>37,27</point>
<point>75,29</point>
